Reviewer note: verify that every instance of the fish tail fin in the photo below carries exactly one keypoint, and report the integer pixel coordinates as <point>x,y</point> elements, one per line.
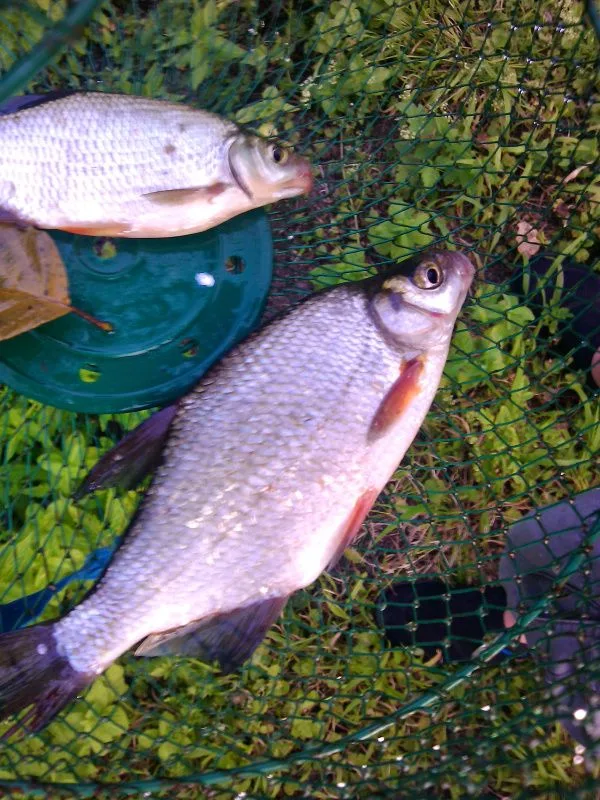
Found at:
<point>34,673</point>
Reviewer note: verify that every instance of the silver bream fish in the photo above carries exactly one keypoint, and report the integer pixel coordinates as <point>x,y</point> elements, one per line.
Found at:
<point>117,165</point>
<point>270,466</point>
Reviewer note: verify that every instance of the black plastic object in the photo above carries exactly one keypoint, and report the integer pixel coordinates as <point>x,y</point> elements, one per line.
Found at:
<point>176,305</point>
<point>429,614</point>
<point>566,639</point>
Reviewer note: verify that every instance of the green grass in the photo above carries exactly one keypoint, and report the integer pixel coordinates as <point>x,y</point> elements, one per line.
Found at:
<point>429,123</point>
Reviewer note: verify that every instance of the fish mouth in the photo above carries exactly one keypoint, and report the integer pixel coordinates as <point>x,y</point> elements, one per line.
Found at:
<point>304,177</point>
<point>464,268</point>
<point>301,183</point>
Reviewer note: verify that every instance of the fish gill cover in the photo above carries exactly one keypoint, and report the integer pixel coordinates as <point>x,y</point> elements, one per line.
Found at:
<point>470,126</point>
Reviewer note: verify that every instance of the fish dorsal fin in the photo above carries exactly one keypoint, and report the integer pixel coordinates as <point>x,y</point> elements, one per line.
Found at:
<point>229,638</point>
<point>33,100</point>
<point>134,457</point>
<point>180,197</point>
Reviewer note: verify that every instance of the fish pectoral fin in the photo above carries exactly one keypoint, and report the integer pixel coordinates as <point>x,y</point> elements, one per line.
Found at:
<point>397,400</point>
<point>134,457</point>
<point>180,197</point>
<point>229,638</point>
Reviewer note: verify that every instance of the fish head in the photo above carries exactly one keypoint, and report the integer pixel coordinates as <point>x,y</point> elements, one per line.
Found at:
<point>266,171</point>
<point>417,302</point>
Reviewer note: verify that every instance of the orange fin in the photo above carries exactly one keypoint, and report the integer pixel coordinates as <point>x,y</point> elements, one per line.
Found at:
<point>397,399</point>
<point>352,525</point>
<point>108,229</point>
<point>178,197</point>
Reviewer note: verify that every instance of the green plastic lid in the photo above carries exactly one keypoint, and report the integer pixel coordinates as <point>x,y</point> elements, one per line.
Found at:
<point>176,306</point>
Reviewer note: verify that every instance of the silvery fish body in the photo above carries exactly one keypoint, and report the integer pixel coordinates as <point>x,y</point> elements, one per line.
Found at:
<point>117,165</point>
<point>271,464</point>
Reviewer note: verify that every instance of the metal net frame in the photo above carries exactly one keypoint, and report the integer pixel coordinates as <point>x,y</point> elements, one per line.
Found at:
<point>465,125</point>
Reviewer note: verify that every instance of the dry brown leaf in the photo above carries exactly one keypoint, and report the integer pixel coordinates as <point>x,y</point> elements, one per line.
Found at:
<point>34,287</point>
<point>527,238</point>
<point>33,281</point>
<point>562,210</point>
<point>574,173</point>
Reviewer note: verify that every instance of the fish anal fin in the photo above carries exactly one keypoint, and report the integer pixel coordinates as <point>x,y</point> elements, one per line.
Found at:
<point>352,525</point>
<point>228,638</point>
<point>134,457</point>
<point>398,398</point>
<point>180,197</point>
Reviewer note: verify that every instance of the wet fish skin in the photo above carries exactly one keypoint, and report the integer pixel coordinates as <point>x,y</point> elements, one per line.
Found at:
<point>119,165</point>
<point>271,464</point>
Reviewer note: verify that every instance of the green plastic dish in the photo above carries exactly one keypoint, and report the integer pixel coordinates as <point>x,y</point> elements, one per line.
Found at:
<point>176,306</point>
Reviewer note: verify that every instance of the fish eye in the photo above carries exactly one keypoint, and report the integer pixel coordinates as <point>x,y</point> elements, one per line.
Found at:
<point>278,154</point>
<point>428,276</point>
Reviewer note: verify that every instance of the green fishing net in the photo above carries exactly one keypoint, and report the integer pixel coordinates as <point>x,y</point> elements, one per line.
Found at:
<point>471,125</point>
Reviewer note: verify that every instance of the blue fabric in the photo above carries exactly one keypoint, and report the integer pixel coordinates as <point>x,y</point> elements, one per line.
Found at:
<point>19,613</point>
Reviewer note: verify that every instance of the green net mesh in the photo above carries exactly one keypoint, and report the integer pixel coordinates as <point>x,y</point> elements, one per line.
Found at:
<point>472,125</point>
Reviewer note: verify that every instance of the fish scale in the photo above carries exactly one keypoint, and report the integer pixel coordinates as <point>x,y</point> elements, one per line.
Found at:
<point>270,465</point>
